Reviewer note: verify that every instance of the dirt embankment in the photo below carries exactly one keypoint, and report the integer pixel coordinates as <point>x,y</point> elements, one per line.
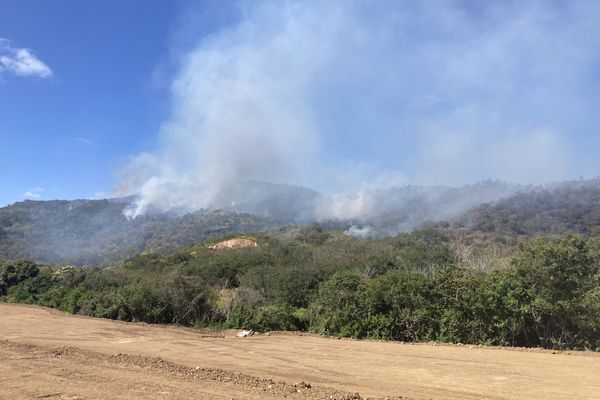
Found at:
<point>235,243</point>
<point>47,354</point>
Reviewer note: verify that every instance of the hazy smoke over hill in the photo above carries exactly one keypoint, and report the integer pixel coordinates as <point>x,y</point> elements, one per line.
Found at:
<point>351,96</point>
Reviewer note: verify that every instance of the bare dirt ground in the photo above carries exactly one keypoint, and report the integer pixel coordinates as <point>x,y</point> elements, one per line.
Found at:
<point>45,354</point>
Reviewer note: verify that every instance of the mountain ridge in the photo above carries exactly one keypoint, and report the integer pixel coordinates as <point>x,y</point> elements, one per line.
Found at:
<point>97,232</point>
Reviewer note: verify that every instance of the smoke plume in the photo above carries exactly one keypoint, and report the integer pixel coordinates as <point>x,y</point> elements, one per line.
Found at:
<point>349,97</point>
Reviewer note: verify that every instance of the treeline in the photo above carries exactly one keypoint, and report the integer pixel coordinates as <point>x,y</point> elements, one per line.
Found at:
<point>415,287</point>
<point>555,210</point>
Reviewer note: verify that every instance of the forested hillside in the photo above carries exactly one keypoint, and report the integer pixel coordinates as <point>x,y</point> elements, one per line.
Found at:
<point>95,232</point>
<point>268,200</point>
<point>551,210</point>
<point>387,212</point>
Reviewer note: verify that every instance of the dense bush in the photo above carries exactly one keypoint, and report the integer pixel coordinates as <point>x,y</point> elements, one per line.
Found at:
<point>414,287</point>
<point>13,273</point>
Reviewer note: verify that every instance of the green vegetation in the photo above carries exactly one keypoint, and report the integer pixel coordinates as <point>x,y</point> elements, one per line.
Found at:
<point>506,273</point>
<point>95,232</point>
<point>427,285</point>
<point>572,207</point>
<point>13,273</point>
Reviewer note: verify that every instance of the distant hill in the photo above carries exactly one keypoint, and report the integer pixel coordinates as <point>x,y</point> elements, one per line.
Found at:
<point>402,209</point>
<point>547,210</point>
<point>96,232</point>
<point>269,200</point>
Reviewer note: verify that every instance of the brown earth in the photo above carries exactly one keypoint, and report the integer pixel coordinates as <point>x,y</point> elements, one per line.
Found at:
<point>236,243</point>
<point>48,354</point>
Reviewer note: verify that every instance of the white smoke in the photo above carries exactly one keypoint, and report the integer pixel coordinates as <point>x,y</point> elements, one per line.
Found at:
<point>241,110</point>
<point>360,231</point>
<point>347,96</point>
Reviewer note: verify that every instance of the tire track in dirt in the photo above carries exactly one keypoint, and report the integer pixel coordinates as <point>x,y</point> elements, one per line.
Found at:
<point>373,368</point>
<point>76,365</point>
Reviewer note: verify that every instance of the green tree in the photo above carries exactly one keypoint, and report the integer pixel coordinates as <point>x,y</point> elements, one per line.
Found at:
<point>13,273</point>
<point>399,307</point>
<point>562,272</point>
<point>339,308</point>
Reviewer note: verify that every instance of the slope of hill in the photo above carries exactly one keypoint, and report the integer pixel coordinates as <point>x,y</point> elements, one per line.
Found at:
<point>96,232</point>
<point>269,200</point>
<point>402,209</point>
<point>548,210</point>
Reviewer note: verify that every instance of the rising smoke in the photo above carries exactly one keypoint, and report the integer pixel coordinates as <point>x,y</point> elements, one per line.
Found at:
<point>348,97</point>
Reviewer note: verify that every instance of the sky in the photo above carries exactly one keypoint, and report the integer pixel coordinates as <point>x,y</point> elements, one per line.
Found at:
<point>173,100</point>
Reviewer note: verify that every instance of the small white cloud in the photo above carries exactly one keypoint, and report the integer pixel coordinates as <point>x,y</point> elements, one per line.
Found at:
<point>83,140</point>
<point>33,193</point>
<point>21,62</point>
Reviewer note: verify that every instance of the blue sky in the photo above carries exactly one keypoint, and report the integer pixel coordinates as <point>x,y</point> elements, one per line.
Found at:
<point>67,134</point>
<point>165,98</point>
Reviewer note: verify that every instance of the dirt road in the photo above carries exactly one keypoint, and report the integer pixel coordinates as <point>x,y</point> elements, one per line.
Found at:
<point>47,354</point>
